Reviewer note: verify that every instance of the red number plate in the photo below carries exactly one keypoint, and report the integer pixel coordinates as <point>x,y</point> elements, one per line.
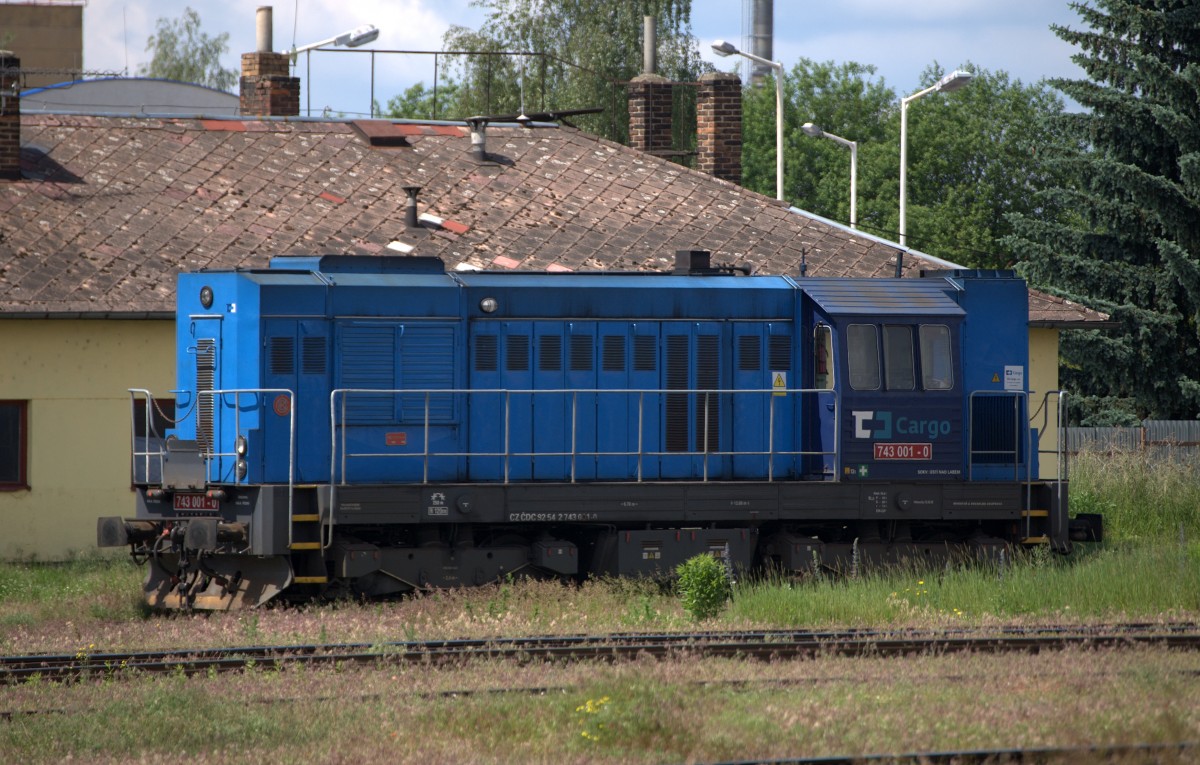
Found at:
<point>196,502</point>
<point>890,451</point>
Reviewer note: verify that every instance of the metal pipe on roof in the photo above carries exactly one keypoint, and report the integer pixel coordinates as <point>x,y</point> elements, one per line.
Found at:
<point>263,29</point>
<point>649,46</point>
<point>410,207</point>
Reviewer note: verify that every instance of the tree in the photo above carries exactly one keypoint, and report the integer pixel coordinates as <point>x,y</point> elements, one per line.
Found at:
<point>180,51</point>
<point>1132,244</point>
<point>973,155</point>
<point>419,102</point>
<point>581,56</point>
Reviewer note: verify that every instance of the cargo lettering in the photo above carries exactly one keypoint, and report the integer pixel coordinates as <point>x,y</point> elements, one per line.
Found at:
<point>884,426</point>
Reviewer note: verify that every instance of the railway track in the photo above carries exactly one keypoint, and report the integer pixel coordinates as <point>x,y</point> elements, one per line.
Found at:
<point>770,644</point>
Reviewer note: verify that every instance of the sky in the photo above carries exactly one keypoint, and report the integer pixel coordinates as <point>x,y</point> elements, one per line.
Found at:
<point>899,38</point>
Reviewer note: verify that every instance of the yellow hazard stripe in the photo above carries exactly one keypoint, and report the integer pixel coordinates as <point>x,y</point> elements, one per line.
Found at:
<point>306,545</point>
<point>309,517</point>
<point>310,579</point>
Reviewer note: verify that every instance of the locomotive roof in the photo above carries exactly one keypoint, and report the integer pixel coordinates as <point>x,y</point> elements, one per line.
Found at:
<point>921,297</point>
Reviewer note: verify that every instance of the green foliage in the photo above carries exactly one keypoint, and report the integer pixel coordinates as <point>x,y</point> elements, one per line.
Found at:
<point>571,54</point>
<point>973,155</point>
<point>180,51</point>
<point>703,586</point>
<point>1132,244</point>
<point>422,103</point>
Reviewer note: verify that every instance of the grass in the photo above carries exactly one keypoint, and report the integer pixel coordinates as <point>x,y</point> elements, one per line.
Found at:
<point>644,711</point>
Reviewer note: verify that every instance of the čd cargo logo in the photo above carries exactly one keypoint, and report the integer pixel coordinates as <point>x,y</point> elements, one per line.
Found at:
<point>883,426</point>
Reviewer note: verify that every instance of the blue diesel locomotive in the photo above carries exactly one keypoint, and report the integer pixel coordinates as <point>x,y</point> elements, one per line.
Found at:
<point>378,424</point>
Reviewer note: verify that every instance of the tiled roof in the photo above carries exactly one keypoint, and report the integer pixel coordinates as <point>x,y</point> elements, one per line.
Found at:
<point>110,209</point>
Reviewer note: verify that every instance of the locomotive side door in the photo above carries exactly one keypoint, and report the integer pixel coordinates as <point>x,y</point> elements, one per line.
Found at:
<point>762,420</point>
<point>695,422</point>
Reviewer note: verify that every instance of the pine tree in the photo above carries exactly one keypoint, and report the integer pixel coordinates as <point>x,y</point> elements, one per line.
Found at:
<point>1132,245</point>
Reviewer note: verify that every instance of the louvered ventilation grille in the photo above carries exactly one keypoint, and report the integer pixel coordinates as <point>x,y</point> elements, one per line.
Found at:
<point>994,431</point>
<point>614,353</point>
<point>749,353</point>
<point>312,355</point>
<point>581,353</point>
<point>427,363</point>
<point>550,353</point>
<point>282,352</point>
<point>708,407</point>
<point>780,351</point>
<point>517,356</point>
<point>645,354</point>
<point>206,367</point>
<point>486,354</point>
<point>368,361</point>
<point>677,403</point>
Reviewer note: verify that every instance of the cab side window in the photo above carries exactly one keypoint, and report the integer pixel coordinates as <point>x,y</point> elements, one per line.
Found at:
<point>862,351</point>
<point>937,363</point>
<point>898,358</point>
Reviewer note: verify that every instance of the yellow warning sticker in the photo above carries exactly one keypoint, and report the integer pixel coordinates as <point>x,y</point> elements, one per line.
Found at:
<point>995,378</point>
<point>779,383</point>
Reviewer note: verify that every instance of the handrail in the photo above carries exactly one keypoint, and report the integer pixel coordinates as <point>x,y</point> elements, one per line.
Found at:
<point>133,450</point>
<point>340,454</point>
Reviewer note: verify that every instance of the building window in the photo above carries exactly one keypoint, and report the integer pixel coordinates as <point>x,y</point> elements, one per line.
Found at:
<point>14,445</point>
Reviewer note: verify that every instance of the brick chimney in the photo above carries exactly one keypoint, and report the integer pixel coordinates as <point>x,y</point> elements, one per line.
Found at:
<point>650,113</point>
<point>10,116</point>
<point>719,125</point>
<point>266,88</point>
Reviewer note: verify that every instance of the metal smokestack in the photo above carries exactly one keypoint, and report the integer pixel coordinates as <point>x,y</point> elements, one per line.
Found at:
<point>410,207</point>
<point>649,46</point>
<point>262,29</point>
<point>762,38</point>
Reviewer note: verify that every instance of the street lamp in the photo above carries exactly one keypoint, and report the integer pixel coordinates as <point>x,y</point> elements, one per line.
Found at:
<point>947,84</point>
<point>722,48</point>
<point>352,39</point>
<point>816,132</point>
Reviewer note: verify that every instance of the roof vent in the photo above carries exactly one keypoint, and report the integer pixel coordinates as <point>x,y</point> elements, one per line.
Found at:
<point>410,207</point>
<point>692,262</point>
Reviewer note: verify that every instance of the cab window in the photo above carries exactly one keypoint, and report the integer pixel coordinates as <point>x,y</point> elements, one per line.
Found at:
<point>898,358</point>
<point>862,352</point>
<point>937,363</point>
<point>823,357</point>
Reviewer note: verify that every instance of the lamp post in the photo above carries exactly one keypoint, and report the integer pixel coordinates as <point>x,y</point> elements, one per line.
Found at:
<point>816,132</point>
<point>722,48</point>
<point>947,84</point>
<point>352,39</point>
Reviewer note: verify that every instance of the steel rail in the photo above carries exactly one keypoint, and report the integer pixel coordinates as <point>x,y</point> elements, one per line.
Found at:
<point>774,644</point>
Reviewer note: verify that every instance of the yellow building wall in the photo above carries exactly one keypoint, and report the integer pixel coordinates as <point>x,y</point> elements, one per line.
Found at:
<point>1043,377</point>
<point>75,375</point>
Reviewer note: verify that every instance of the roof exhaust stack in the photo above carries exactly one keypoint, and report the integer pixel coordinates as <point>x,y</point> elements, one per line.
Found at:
<point>478,136</point>
<point>649,46</point>
<point>692,262</point>
<point>410,207</point>
<point>262,29</point>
